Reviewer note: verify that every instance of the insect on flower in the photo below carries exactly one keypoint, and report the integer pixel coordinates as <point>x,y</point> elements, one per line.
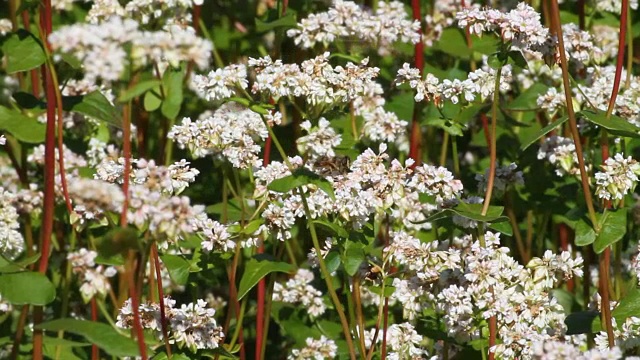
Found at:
<point>332,165</point>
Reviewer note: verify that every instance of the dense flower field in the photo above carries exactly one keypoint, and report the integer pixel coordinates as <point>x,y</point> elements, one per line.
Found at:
<point>273,179</point>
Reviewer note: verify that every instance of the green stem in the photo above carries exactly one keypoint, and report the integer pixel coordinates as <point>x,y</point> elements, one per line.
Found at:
<point>327,277</point>
<point>456,161</point>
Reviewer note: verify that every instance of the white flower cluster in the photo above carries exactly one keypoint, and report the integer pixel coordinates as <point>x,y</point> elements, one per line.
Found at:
<point>298,290</point>
<point>561,153</point>
<point>11,240</point>
<point>478,83</point>
<point>558,350</point>
<point>626,337</point>
<point>94,277</point>
<point>322,86</point>
<point>175,10</point>
<point>380,125</point>
<point>367,187</point>
<point>215,236</point>
<point>316,349</point>
<point>404,343</point>
<point>491,283</point>
<point>619,176</point>
<point>614,6</point>
<point>315,79</point>
<point>92,199</point>
<point>5,27</point>
<point>579,46</point>
<point>3,140</point>
<point>153,205</point>
<point>5,307</point>
<point>232,132</point>
<point>192,326</point>
<point>505,176</point>
<point>422,258</point>
<point>346,20</point>
<point>521,26</point>
<point>221,83</point>
<point>101,47</point>
<point>552,101</point>
<point>319,141</point>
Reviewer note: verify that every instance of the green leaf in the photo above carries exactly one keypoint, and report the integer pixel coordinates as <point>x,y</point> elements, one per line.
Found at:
<point>27,288</point>
<point>516,58</point>
<point>104,336</point>
<point>251,227</point>
<point>7,266</point>
<point>452,127</point>
<point>257,268</point>
<point>580,322</point>
<point>347,57</point>
<point>288,21</point>
<point>28,101</point>
<point>173,94</point>
<point>503,227</point>
<point>152,101</point>
<point>117,241</point>
<point>23,51</point>
<point>139,89</point>
<point>528,99</point>
<point>333,228</point>
<point>585,234</point>
<point>353,256</point>
<point>301,176</point>
<point>629,306</point>
<point>615,124</point>
<point>178,268</point>
<point>24,128</point>
<point>94,105</point>
<point>333,261</point>
<point>453,42</point>
<point>542,132</point>
<point>613,227</point>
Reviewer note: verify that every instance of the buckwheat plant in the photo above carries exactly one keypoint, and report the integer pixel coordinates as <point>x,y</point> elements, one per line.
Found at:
<point>339,179</point>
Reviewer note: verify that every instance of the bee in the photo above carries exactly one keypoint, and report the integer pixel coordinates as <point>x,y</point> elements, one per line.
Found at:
<point>332,165</point>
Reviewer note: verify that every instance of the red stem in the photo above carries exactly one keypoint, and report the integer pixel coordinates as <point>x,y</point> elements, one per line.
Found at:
<point>163,316</point>
<point>135,304</point>
<point>493,331</point>
<point>414,146</point>
<point>49,181</point>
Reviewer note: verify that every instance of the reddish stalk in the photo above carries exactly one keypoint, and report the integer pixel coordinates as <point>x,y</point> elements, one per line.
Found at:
<point>35,87</point>
<point>493,331</point>
<point>416,136</point>
<point>581,17</point>
<point>604,295</point>
<point>135,304</point>
<point>133,293</point>
<point>49,182</point>
<point>163,316</point>
<point>485,127</point>
<point>586,190</point>
<point>605,257</point>
<point>22,320</point>
<point>94,317</point>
